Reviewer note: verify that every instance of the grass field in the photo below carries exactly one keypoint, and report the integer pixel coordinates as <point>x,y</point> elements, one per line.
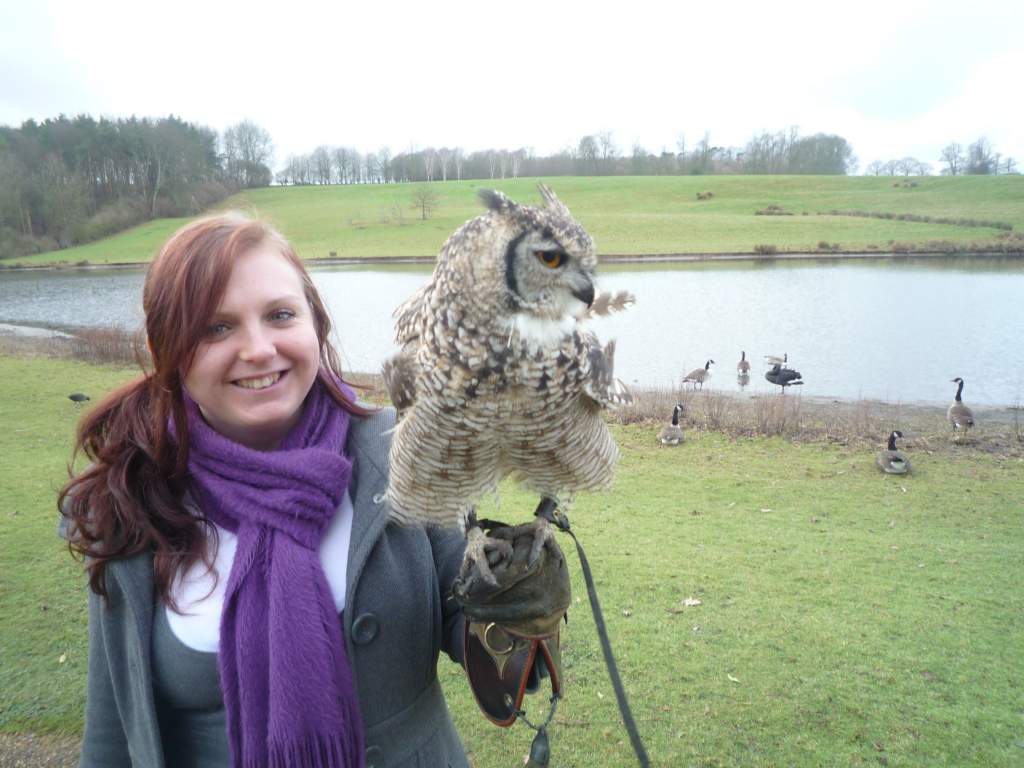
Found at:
<point>626,215</point>
<point>845,617</point>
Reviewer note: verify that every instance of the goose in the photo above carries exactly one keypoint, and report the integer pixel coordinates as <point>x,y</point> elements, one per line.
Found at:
<point>743,366</point>
<point>784,377</point>
<point>743,379</point>
<point>774,360</point>
<point>672,434</point>
<point>699,375</point>
<point>890,460</point>
<point>958,414</point>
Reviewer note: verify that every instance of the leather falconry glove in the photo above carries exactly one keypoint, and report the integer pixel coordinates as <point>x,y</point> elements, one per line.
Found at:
<point>512,628</point>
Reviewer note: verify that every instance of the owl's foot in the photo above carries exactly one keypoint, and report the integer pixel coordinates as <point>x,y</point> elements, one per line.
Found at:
<point>483,551</point>
<point>541,531</point>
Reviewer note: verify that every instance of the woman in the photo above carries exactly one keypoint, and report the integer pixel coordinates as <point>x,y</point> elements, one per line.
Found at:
<point>250,605</point>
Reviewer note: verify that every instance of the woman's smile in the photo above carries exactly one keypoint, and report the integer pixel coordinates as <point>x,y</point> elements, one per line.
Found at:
<point>260,383</point>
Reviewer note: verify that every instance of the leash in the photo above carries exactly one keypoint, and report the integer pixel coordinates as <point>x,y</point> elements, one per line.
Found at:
<point>548,509</point>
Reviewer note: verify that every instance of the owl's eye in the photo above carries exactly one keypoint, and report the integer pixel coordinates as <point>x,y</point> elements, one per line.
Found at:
<point>551,259</point>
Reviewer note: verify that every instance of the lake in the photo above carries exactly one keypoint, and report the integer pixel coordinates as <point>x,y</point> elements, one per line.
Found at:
<point>894,330</point>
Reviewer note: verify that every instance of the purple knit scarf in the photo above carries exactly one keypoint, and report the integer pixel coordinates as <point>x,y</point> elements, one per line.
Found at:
<point>288,687</point>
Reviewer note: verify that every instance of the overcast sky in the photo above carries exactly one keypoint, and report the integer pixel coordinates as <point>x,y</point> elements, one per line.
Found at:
<point>895,78</point>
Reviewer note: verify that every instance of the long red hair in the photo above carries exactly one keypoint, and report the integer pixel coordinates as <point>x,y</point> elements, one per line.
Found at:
<point>130,498</point>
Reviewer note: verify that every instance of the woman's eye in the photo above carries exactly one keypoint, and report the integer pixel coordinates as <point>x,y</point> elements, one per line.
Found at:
<point>281,315</point>
<point>551,259</point>
<point>217,329</point>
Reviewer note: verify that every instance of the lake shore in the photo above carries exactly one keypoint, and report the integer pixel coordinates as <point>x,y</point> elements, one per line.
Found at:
<point>801,417</point>
<point>612,258</point>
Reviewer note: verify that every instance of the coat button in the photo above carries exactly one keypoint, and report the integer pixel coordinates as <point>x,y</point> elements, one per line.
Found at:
<point>364,629</point>
<point>373,757</point>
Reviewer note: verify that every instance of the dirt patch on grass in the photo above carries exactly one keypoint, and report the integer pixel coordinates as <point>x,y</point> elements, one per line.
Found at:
<point>32,750</point>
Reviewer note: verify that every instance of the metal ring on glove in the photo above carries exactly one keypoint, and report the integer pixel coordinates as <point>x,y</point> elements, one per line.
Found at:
<point>490,647</point>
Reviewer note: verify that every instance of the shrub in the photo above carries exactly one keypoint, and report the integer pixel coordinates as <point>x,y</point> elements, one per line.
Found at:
<point>765,250</point>
<point>773,210</point>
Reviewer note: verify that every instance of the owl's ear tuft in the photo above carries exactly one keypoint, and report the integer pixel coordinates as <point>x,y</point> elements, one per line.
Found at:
<point>495,200</point>
<point>551,201</point>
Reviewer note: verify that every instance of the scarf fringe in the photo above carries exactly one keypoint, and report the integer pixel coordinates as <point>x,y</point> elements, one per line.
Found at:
<point>316,751</point>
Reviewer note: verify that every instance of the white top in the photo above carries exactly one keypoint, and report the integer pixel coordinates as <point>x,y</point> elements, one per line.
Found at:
<point>199,592</point>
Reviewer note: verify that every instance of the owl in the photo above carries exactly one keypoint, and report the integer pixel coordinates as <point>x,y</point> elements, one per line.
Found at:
<point>496,375</point>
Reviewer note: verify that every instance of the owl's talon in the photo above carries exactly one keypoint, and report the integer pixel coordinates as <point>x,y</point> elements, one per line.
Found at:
<point>482,552</point>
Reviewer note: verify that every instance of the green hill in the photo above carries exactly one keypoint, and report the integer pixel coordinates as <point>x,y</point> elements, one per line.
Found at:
<point>626,215</point>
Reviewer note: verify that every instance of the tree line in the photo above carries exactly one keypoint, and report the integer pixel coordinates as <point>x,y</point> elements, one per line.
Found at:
<point>66,181</point>
<point>978,159</point>
<point>593,155</point>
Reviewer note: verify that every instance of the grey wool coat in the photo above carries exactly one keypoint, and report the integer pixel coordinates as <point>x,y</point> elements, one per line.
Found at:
<point>397,619</point>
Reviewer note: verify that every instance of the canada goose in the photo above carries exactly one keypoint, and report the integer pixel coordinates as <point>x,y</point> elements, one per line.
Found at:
<point>743,366</point>
<point>958,414</point>
<point>774,360</point>
<point>672,434</point>
<point>699,375</point>
<point>784,377</point>
<point>78,397</point>
<point>743,379</point>
<point>892,461</point>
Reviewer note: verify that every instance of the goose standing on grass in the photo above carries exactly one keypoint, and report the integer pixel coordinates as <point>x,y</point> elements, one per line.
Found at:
<point>774,360</point>
<point>699,375</point>
<point>784,377</point>
<point>958,414</point>
<point>743,366</point>
<point>743,379</point>
<point>672,434</point>
<point>890,460</point>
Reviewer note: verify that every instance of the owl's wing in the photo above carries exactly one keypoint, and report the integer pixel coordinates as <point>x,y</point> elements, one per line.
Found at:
<point>399,374</point>
<point>408,316</point>
<point>600,383</point>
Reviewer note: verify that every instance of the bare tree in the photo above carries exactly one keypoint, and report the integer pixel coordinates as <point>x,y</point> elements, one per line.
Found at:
<point>322,165</point>
<point>953,156</point>
<point>587,153</point>
<point>429,163</point>
<point>444,159</point>
<point>980,158</point>
<point>459,158</point>
<point>384,160</point>
<point>425,200</point>
<point>874,168</point>
<point>372,170</point>
<point>607,150</point>
<point>516,162</point>
<point>342,164</point>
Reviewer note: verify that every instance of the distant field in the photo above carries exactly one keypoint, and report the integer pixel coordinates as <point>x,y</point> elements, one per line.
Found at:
<point>626,215</point>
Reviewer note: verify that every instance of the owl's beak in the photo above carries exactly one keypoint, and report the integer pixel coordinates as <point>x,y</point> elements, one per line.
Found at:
<point>585,293</point>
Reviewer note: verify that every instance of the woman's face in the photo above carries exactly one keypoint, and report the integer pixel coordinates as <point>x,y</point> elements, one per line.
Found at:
<point>260,356</point>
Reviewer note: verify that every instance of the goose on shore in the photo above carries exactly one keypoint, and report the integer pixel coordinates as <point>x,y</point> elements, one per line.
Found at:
<point>672,434</point>
<point>774,360</point>
<point>891,461</point>
<point>699,375</point>
<point>743,366</point>
<point>958,414</point>
<point>784,377</point>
